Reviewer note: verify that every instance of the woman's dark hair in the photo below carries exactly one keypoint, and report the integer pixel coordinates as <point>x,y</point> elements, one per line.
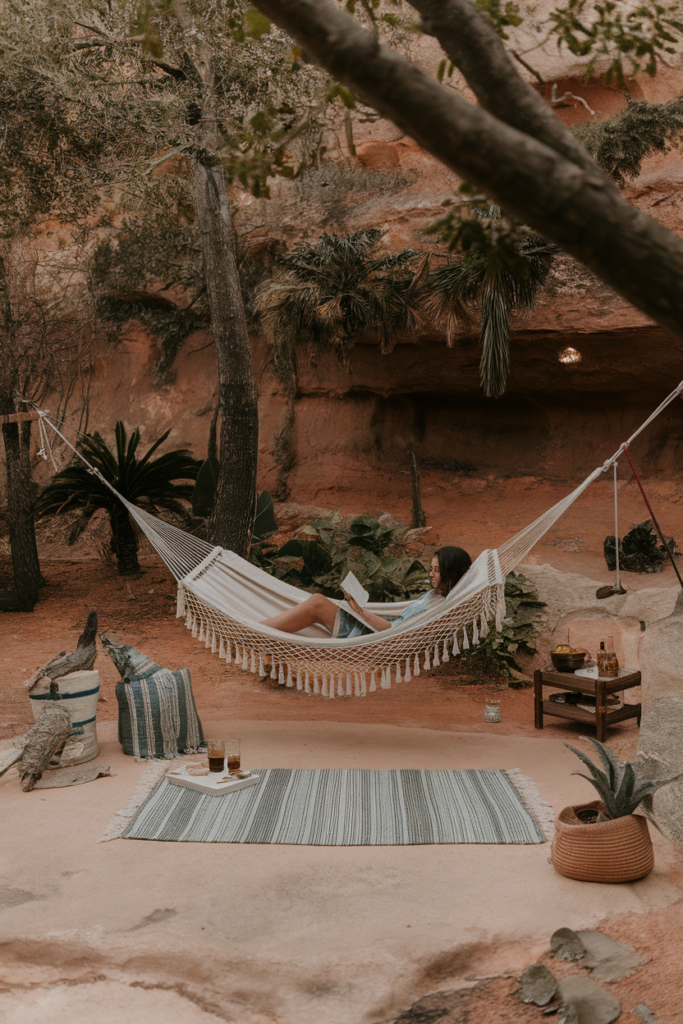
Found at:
<point>453,564</point>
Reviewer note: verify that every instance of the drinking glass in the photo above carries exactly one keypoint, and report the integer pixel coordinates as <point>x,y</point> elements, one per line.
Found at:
<point>232,749</point>
<point>216,753</point>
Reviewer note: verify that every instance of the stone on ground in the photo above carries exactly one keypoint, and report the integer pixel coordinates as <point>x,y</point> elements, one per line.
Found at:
<point>537,985</point>
<point>592,1003</point>
<point>567,945</point>
<point>610,960</point>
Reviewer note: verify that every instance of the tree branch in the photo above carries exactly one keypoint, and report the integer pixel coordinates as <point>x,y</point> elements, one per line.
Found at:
<point>575,207</point>
<point>478,52</point>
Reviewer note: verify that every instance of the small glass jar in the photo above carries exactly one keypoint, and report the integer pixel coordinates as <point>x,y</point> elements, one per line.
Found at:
<point>492,710</point>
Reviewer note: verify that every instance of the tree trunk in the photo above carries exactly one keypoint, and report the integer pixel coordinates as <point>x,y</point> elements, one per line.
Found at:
<point>231,521</point>
<point>21,495</point>
<point>124,541</point>
<point>418,517</point>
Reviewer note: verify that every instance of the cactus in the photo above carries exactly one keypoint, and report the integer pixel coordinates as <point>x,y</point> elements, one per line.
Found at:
<point>619,787</point>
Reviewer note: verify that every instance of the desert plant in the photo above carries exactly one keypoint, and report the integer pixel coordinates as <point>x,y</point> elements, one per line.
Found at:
<point>495,655</point>
<point>619,787</point>
<point>330,292</point>
<point>146,482</point>
<point>500,270</point>
<point>374,551</point>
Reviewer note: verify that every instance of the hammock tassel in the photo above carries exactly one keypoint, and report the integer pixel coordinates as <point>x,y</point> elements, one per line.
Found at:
<point>356,684</point>
<point>180,602</point>
<point>363,685</point>
<point>214,643</point>
<point>416,666</point>
<point>201,630</point>
<point>484,628</point>
<point>194,626</point>
<point>407,675</point>
<point>348,685</point>
<point>273,673</point>
<point>307,685</point>
<point>456,649</point>
<point>435,661</point>
<point>331,694</point>
<point>261,670</point>
<point>427,663</point>
<point>465,641</point>
<point>399,677</point>
<point>475,633</point>
<point>299,680</point>
<point>221,647</point>
<point>340,686</point>
<point>316,684</point>
<point>500,608</point>
<point>253,662</point>
<point>188,619</point>
<point>290,681</point>
<point>281,675</point>
<point>324,688</point>
<point>373,681</point>
<point>445,656</point>
<point>228,652</point>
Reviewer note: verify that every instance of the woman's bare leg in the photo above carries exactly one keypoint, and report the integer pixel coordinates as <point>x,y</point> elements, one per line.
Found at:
<point>315,609</point>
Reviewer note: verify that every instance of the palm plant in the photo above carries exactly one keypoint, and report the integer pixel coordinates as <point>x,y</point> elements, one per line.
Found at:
<point>330,292</point>
<point>619,787</point>
<point>146,482</point>
<point>496,280</point>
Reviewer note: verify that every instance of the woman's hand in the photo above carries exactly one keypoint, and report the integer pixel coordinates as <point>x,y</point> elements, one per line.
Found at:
<point>355,607</point>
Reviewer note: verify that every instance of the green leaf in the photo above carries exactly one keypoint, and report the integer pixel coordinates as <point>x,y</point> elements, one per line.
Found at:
<point>256,24</point>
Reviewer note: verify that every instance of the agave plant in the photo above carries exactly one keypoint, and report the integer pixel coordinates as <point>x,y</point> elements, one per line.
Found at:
<point>495,279</point>
<point>329,292</point>
<point>619,787</point>
<point>146,482</point>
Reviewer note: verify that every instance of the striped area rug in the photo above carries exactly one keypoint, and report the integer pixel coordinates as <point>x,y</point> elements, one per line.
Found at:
<point>350,807</point>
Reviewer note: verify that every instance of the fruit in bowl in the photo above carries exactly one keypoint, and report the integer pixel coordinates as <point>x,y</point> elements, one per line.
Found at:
<point>567,659</point>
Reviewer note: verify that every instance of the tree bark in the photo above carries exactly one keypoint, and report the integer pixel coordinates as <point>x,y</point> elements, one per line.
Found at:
<point>231,521</point>
<point>478,52</point>
<point>418,517</point>
<point>21,495</point>
<point>574,206</point>
<point>124,541</point>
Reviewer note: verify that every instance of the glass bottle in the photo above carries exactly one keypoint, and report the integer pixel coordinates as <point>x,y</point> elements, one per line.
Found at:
<point>601,658</point>
<point>611,660</point>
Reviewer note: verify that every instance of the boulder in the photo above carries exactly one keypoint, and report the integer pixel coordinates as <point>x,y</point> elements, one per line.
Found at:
<point>537,985</point>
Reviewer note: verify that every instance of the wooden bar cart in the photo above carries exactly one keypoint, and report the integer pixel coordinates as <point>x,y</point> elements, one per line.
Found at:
<point>599,688</point>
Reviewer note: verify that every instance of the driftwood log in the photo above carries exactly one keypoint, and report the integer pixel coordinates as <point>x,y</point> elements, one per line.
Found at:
<point>43,739</point>
<point>83,658</point>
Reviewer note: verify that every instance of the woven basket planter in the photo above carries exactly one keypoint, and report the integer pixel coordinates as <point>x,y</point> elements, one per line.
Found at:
<point>606,851</point>
<point>78,694</point>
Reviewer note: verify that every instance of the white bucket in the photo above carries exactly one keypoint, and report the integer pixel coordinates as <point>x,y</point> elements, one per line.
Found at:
<point>77,693</point>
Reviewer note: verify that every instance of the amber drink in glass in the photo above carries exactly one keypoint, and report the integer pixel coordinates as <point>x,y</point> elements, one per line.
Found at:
<point>216,752</point>
<point>233,754</point>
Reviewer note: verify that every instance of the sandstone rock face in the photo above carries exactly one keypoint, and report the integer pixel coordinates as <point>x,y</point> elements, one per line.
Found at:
<point>648,629</point>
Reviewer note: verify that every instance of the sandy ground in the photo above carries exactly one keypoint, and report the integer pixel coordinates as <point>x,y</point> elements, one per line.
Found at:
<point>194,933</point>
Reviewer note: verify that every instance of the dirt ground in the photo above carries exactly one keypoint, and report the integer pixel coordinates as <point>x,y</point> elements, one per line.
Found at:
<point>141,611</point>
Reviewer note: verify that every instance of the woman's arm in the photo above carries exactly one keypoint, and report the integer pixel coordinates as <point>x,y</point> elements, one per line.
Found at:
<point>376,621</point>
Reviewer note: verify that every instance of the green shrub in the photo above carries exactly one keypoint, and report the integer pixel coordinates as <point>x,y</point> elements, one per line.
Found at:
<point>329,548</point>
<point>495,655</point>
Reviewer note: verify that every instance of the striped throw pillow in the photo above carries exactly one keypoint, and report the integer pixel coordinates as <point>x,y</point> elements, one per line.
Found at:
<point>157,715</point>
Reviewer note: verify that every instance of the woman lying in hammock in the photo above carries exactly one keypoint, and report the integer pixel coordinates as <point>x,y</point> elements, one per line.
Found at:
<point>449,565</point>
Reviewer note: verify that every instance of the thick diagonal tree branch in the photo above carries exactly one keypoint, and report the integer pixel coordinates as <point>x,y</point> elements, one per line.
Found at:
<point>478,52</point>
<point>575,207</point>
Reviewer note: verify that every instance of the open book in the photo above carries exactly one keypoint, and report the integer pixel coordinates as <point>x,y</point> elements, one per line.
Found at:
<point>352,587</point>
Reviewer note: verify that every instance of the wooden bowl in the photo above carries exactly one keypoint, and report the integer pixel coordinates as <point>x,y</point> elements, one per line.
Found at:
<point>567,662</point>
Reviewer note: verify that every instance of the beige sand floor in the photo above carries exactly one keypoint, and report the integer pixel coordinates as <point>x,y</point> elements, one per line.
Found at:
<point>165,932</point>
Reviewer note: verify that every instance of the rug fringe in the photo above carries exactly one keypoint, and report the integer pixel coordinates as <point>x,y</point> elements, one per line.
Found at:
<point>146,784</point>
<point>536,804</point>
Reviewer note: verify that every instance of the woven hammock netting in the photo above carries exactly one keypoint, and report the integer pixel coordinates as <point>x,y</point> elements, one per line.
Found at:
<point>223,600</point>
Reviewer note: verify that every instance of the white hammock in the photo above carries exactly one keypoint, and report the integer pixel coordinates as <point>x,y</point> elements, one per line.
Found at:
<point>223,600</point>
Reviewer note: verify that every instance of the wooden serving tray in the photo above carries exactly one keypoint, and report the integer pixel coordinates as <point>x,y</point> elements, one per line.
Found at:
<point>215,783</point>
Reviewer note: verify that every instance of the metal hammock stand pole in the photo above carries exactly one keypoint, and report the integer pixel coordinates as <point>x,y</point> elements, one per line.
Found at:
<point>652,515</point>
